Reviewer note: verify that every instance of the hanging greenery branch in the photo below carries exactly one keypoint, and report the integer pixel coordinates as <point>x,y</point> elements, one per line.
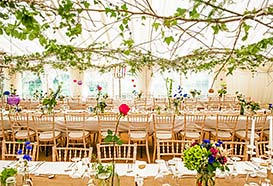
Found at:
<point>199,20</point>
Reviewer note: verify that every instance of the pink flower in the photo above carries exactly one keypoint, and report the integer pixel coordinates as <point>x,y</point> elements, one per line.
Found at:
<point>124,109</point>
<point>213,151</point>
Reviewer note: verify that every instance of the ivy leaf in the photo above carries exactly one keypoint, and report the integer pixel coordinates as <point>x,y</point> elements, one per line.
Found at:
<point>156,25</point>
<point>180,12</point>
<point>246,29</point>
<point>194,14</point>
<point>169,39</point>
<point>124,7</point>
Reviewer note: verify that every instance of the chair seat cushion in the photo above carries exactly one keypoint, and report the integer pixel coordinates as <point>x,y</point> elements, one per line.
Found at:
<point>163,135</point>
<point>242,134</point>
<point>222,134</point>
<point>137,134</point>
<point>77,134</point>
<point>23,134</point>
<point>48,135</point>
<point>189,134</point>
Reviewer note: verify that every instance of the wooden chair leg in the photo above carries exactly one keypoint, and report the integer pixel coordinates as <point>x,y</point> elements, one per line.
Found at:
<point>147,151</point>
<point>155,146</point>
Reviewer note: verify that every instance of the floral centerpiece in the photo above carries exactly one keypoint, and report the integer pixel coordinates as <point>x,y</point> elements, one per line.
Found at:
<point>177,99</point>
<point>205,158</point>
<point>50,101</point>
<point>195,92</point>
<point>101,101</point>
<point>12,98</point>
<point>251,105</point>
<point>223,90</point>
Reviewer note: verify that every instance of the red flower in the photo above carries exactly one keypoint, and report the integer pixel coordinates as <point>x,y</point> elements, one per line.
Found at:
<point>80,82</point>
<point>133,80</point>
<point>134,86</point>
<point>75,81</point>
<point>99,88</point>
<point>124,109</point>
<point>223,160</point>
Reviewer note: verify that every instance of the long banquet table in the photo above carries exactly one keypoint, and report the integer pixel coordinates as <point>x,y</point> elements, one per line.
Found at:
<point>92,122</point>
<point>41,170</point>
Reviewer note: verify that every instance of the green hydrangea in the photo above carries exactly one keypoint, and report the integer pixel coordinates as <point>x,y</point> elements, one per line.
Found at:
<point>195,157</point>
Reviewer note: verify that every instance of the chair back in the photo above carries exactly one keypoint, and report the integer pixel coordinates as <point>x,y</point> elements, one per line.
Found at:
<point>236,149</point>
<point>226,123</point>
<point>120,153</point>
<point>194,122</point>
<point>138,122</point>
<point>140,104</point>
<point>10,150</point>
<point>164,123</point>
<point>173,148</point>
<point>106,121</point>
<point>74,121</point>
<point>68,153</point>
<point>262,148</point>
<point>19,121</point>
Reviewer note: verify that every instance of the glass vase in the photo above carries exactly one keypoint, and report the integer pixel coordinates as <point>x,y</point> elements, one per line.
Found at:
<point>108,181</point>
<point>205,179</point>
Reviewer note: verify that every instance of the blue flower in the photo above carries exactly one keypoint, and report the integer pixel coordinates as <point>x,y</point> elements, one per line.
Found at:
<point>185,95</point>
<point>270,105</point>
<point>20,152</point>
<point>6,93</point>
<point>27,157</point>
<point>211,159</point>
<point>29,147</point>
<point>220,142</point>
<point>27,143</point>
<point>217,144</point>
<point>180,91</point>
<point>174,95</point>
<point>206,141</point>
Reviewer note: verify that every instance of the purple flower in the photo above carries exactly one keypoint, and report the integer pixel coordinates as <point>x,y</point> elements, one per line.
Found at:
<point>27,143</point>
<point>211,159</point>
<point>20,152</point>
<point>217,144</point>
<point>270,105</point>
<point>174,95</point>
<point>29,147</point>
<point>220,142</point>
<point>27,157</point>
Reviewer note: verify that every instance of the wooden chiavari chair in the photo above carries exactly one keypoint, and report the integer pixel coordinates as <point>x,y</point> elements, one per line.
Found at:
<point>75,128</point>
<point>122,153</point>
<point>106,121</point>
<point>20,126</point>
<point>139,130</point>
<point>260,122</point>
<point>46,135</point>
<point>236,149</point>
<point>68,153</point>
<point>193,127</point>
<point>163,128</point>
<point>225,127</point>
<point>10,150</point>
<point>173,148</point>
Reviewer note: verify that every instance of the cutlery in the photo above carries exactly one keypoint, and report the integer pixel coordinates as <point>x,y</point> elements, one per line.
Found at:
<point>69,168</point>
<point>37,166</point>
